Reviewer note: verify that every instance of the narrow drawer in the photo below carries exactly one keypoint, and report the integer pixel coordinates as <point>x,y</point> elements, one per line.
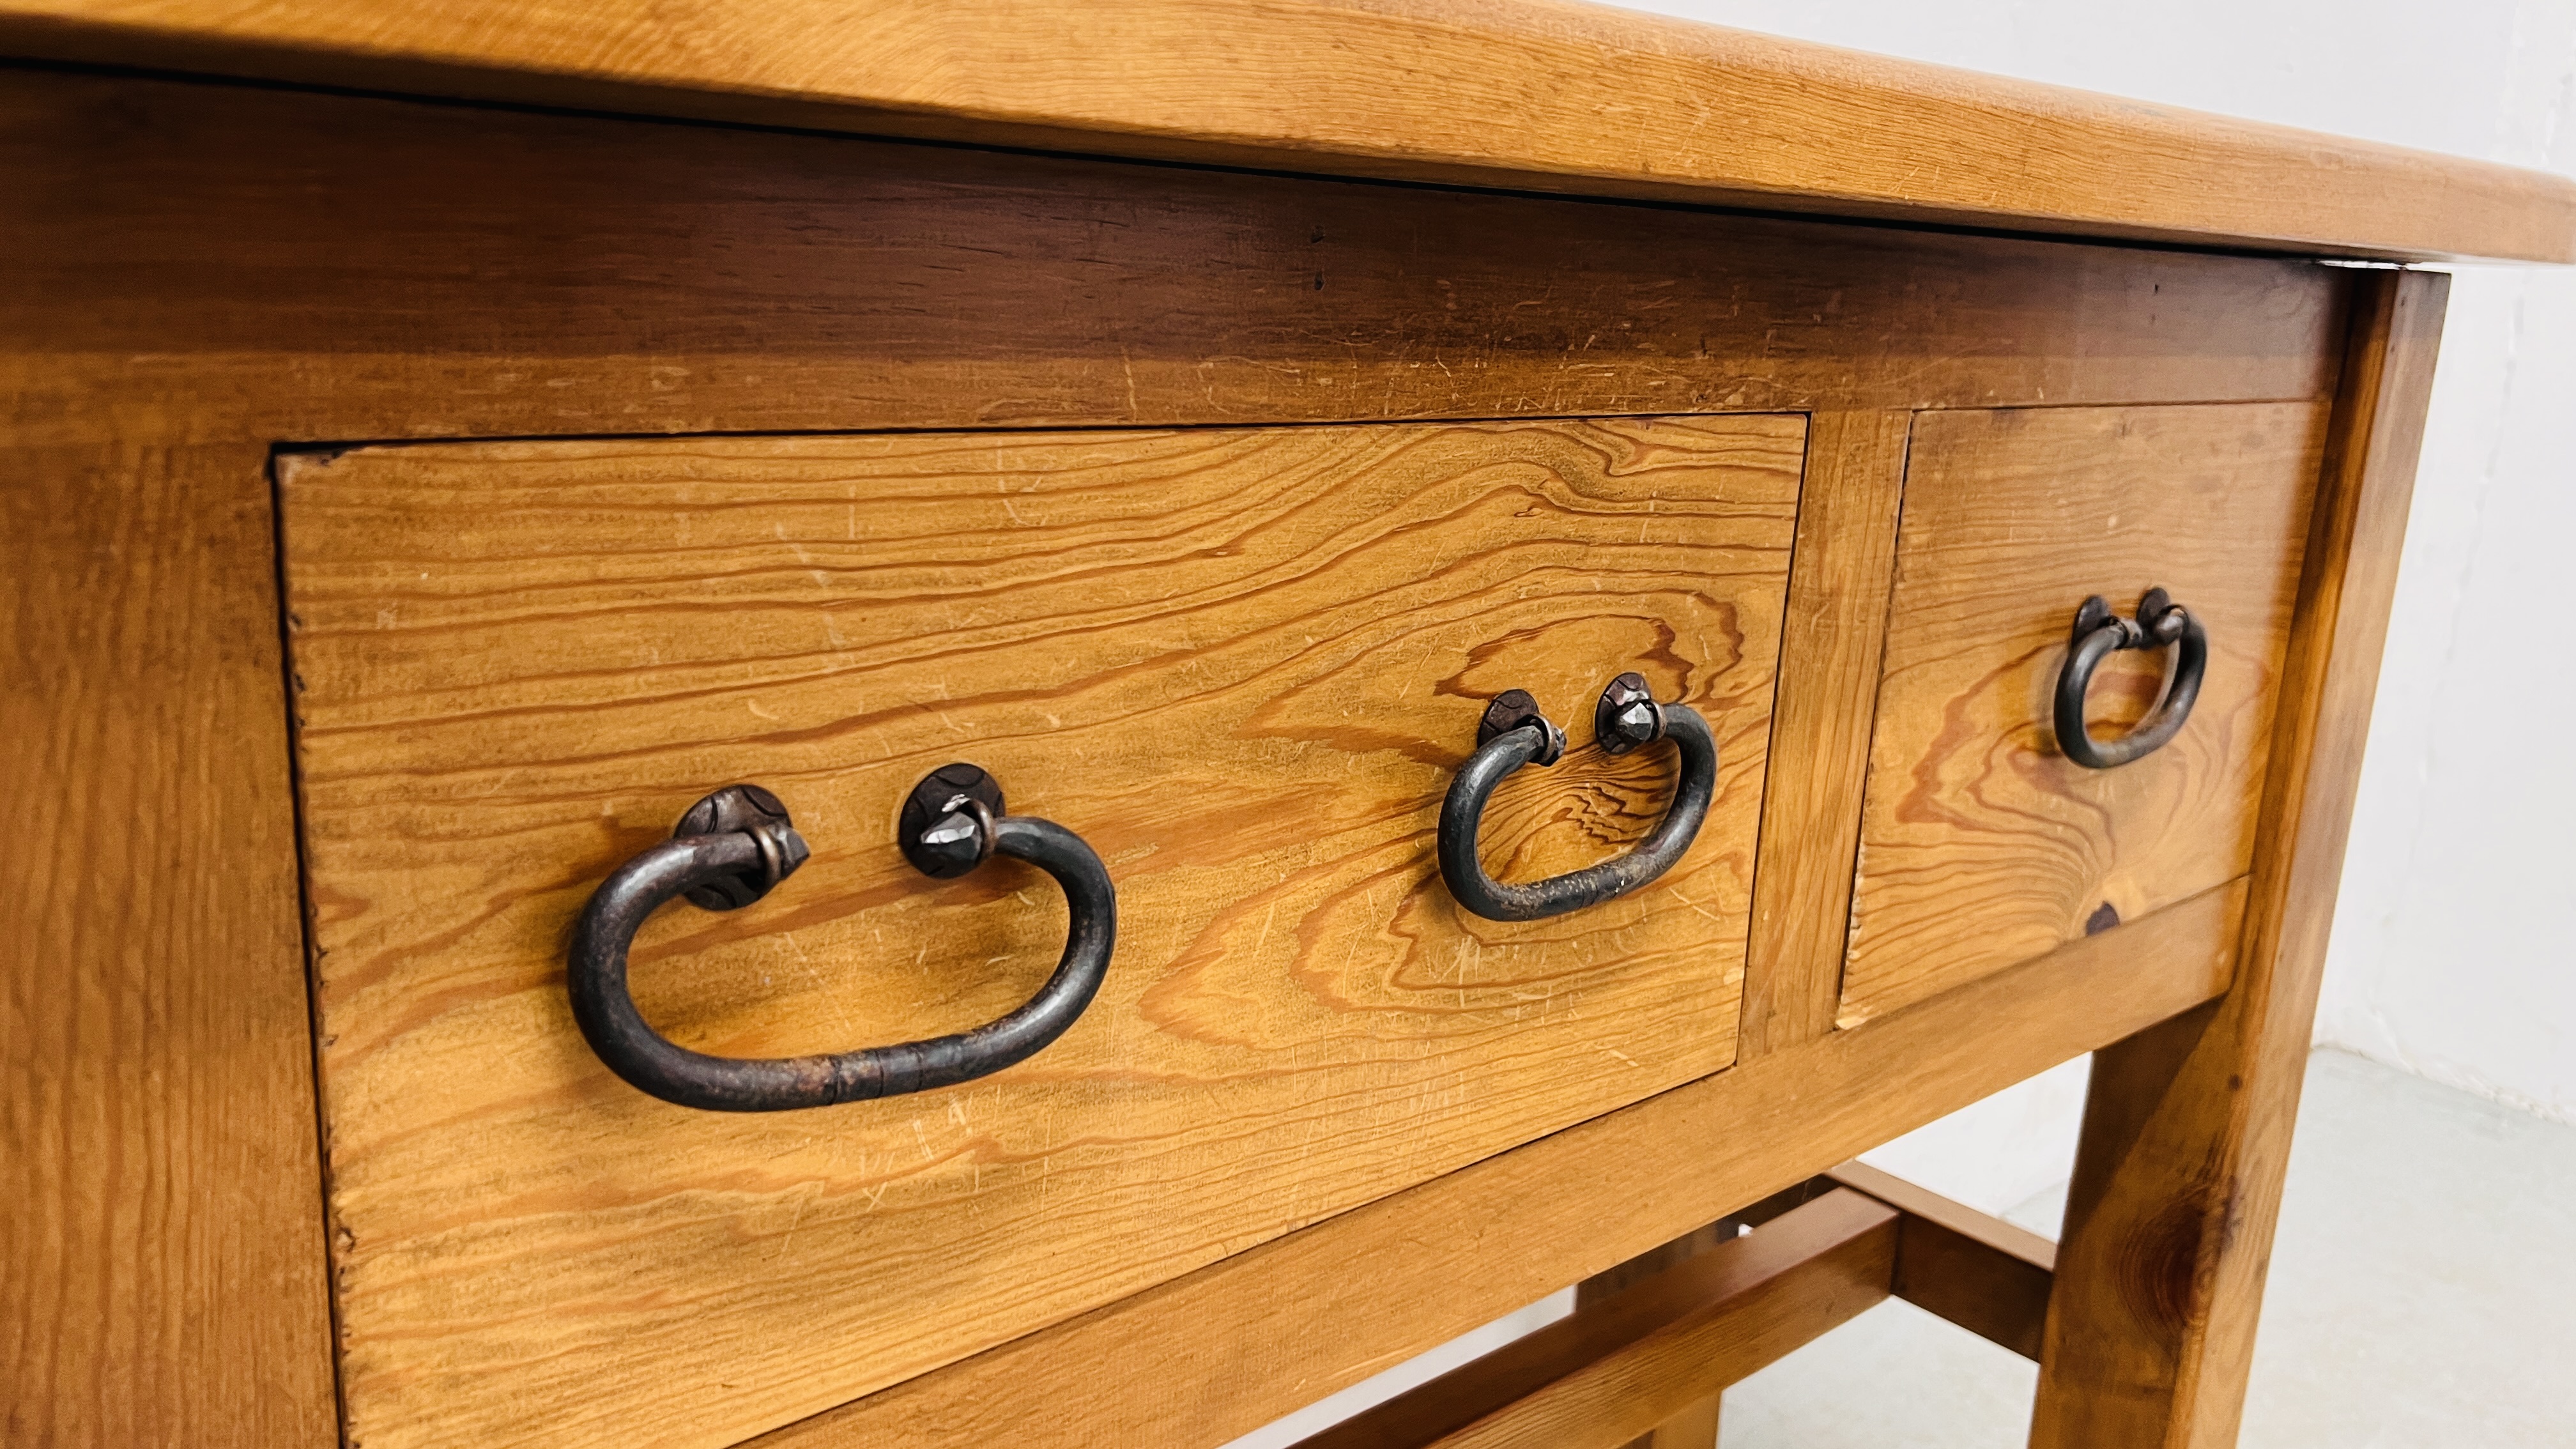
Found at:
<point>1241,664</point>
<point>1982,843</point>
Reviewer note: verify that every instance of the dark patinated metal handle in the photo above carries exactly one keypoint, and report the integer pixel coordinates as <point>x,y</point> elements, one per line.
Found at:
<point>1513,733</point>
<point>736,844</point>
<point>2099,634</point>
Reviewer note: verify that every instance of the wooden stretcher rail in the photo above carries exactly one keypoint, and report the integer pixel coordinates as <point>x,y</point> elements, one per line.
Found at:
<point>1816,1257</point>
<point>1619,1367</point>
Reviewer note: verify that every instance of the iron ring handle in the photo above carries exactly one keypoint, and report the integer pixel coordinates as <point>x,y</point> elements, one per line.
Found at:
<point>1514,733</point>
<point>736,844</point>
<point>2098,634</point>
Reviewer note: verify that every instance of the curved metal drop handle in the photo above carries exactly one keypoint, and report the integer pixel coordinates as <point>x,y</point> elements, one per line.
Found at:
<point>1512,734</point>
<point>2099,634</point>
<point>736,844</point>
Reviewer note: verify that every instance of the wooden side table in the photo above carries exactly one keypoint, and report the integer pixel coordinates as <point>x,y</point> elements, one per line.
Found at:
<point>1309,670</point>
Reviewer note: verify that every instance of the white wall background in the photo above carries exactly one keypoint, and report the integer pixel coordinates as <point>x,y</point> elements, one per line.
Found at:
<point>2454,951</point>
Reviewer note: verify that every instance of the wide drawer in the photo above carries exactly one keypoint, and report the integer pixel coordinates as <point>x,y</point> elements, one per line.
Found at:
<point>1982,843</point>
<point>1242,664</point>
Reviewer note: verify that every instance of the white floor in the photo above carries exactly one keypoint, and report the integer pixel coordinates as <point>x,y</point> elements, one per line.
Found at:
<point>2423,1295</point>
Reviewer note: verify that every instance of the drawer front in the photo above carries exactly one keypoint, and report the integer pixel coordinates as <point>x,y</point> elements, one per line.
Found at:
<point>1982,845</point>
<point>1242,664</point>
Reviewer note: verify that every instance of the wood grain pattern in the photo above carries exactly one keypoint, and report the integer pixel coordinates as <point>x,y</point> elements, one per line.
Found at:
<point>1658,1347</point>
<point>2187,1127</point>
<point>161,1254</point>
<point>1227,1355</point>
<point>1830,659</point>
<point>1980,844</point>
<point>362,269</point>
<point>1693,1428</point>
<point>203,271</point>
<point>1696,1426</point>
<point>1699,1424</point>
<point>1526,95</point>
<point>1242,665</point>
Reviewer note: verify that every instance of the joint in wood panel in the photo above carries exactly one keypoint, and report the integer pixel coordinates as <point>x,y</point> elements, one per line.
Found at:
<point>1972,1268</point>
